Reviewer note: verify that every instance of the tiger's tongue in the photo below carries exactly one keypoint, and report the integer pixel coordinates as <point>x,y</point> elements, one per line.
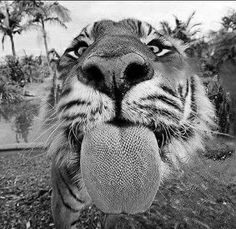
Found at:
<point>121,168</point>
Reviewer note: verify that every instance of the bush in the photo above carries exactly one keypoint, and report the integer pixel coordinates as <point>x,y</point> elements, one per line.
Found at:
<point>34,69</point>
<point>10,93</point>
<point>16,72</point>
<point>221,100</point>
<point>12,69</point>
<point>27,69</point>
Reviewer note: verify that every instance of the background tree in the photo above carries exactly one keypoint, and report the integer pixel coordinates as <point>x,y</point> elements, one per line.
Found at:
<point>229,21</point>
<point>47,12</point>
<point>11,17</point>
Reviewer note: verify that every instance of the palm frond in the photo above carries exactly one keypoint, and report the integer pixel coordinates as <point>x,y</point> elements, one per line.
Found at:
<point>60,11</point>
<point>30,25</point>
<point>194,25</point>
<point>190,18</point>
<point>56,21</point>
<point>194,32</point>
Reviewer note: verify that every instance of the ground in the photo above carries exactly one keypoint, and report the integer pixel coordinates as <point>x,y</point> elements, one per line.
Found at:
<point>204,196</point>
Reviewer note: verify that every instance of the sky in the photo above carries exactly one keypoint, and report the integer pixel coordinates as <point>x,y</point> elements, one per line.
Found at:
<point>209,13</point>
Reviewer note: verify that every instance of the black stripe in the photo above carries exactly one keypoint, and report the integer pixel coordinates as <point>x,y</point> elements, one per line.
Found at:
<point>192,116</point>
<point>164,99</point>
<point>81,43</point>
<point>187,89</point>
<point>73,117</point>
<point>167,113</point>
<point>131,24</point>
<point>64,203</point>
<point>69,56</point>
<point>94,112</point>
<point>162,112</point>
<point>69,189</point>
<point>66,91</point>
<point>76,102</point>
<point>193,100</point>
<point>180,91</point>
<point>86,33</point>
<point>139,28</point>
<point>183,98</point>
<point>75,222</point>
<point>75,137</point>
<point>168,90</point>
<point>149,30</point>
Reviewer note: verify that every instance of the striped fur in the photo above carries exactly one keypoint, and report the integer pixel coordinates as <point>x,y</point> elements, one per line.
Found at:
<point>172,103</point>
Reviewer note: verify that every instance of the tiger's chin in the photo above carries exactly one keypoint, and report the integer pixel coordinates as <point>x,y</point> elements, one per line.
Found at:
<point>121,167</point>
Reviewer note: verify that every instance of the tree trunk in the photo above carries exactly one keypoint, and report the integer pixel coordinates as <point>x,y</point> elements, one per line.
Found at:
<point>45,40</point>
<point>12,45</point>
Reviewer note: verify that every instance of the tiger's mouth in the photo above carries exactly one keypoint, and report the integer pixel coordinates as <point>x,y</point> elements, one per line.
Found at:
<point>162,134</point>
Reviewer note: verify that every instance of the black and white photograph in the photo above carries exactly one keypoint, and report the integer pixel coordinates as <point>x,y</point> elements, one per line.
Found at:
<point>117,114</point>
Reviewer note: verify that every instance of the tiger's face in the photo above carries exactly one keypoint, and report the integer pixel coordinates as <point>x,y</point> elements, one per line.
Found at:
<point>126,73</point>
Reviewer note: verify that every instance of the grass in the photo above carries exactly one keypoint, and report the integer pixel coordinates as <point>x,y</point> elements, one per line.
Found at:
<point>204,196</point>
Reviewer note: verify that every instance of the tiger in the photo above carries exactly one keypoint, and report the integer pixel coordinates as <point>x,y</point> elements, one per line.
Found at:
<point>124,73</point>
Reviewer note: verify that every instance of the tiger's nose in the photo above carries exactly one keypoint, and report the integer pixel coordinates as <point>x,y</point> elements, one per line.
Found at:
<point>120,72</point>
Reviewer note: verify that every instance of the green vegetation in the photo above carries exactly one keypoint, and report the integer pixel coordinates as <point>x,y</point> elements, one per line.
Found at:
<point>15,73</point>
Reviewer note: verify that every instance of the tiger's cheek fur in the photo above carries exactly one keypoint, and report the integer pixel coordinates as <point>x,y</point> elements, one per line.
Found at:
<point>83,107</point>
<point>186,112</point>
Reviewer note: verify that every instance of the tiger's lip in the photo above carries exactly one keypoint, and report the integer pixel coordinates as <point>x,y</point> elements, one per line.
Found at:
<point>121,122</point>
<point>158,132</point>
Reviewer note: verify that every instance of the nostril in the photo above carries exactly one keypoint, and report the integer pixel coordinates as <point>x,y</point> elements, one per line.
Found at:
<point>135,72</point>
<point>93,74</point>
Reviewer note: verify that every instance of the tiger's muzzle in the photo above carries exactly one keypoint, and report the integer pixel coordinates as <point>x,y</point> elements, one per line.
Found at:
<point>120,163</point>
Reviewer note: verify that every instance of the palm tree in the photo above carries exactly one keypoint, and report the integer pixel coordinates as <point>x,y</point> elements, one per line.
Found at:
<point>44,12</point>
<point>11,15</point>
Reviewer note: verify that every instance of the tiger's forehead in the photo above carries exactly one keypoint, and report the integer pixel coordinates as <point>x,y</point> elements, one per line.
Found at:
<point>131,27</point>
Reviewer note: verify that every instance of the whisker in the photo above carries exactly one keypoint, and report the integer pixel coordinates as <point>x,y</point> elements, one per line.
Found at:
<point>59,125</point>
